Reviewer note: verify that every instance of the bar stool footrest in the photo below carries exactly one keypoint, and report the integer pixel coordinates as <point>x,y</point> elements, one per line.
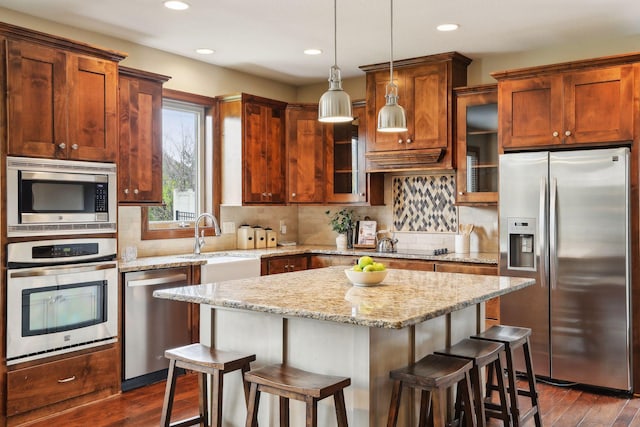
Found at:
<point>187,422</point>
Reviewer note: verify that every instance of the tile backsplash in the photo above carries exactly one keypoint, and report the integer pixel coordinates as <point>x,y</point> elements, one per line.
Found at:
<point>425,204</point>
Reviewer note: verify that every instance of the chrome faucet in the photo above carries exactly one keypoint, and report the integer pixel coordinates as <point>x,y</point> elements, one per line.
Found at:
<point>199,243</point>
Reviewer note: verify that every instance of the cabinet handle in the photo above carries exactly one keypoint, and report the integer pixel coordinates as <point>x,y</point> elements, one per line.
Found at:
<point>126,191</point>
<point>555,134</point>
<point>269,194</point>
<point>461,193</point>
<point>264,194</point>
<point>135,191</point>
<point>409,140</point>
<point>62,146</point>
<point>568,133</point>
<point>74,146</point>
<point>67,380</point>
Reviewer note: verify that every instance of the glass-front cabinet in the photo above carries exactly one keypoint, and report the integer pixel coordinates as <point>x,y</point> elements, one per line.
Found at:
<point>477,145</point>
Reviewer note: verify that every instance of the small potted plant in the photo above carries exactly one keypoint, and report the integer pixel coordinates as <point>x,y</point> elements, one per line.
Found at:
<point>343,222</point>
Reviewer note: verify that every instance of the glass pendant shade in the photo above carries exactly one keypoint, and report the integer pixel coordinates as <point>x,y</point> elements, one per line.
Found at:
<point>391,117</point>
<point>335,103</point>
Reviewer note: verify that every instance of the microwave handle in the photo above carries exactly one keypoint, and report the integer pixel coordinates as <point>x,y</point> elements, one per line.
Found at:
<point>56,270</point>
<point>57,176</point>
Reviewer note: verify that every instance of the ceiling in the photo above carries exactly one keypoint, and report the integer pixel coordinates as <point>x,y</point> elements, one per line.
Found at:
<point>267,37</point>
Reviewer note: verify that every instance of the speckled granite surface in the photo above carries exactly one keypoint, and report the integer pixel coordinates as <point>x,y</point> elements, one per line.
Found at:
<point>404,298</point>
<point>187,259</point>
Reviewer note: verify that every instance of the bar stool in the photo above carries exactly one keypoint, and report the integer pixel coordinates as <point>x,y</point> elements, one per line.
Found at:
<point>514,337</point>
<point>291,383</point>
<point>434,375</point>
<point>205,361</point>
<point>482,353</point>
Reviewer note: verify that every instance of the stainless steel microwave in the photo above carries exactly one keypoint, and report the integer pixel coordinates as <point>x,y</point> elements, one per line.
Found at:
<point>59,197</point>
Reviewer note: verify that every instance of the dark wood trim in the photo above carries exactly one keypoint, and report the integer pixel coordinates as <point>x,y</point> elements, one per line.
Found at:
<point>212,149</point>
<point>410,62</point>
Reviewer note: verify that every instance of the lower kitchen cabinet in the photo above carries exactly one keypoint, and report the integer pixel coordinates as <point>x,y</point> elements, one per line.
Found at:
<point>284,264</point>
<point>320,261</point>
<point>62,382</point>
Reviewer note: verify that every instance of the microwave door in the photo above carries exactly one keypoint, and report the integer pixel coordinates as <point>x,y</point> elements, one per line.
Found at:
<point>64,177</point>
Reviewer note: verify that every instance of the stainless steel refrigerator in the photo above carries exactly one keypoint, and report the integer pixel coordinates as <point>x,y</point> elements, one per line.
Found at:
<point>564,220</point>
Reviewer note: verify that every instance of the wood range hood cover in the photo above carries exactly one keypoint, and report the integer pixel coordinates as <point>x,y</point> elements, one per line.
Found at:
<point>388,161</point>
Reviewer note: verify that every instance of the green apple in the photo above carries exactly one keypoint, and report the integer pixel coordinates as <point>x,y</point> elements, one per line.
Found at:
<point>364,261</point>
<point>378,266</point>
<point>368,268</point>
<point>356,268</point>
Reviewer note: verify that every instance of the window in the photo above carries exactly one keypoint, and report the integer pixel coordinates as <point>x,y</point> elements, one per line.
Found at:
<point>187,161</point>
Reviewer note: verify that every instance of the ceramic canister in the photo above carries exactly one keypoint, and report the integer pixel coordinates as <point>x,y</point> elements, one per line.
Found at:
<point>245,237</point>
<point>260,237</point>
<point>272,238</point>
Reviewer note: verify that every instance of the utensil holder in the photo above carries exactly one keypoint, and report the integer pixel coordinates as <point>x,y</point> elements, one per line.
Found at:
<point>462,243</point>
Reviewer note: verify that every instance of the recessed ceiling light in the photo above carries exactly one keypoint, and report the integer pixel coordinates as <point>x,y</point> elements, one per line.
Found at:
<point>447,27</point>
<point>205,51</point>
<point>312,51</point>
<point>176,5</point>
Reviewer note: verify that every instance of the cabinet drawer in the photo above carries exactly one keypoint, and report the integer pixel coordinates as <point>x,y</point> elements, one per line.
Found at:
<point>42,385</point>
<point>492,309</point>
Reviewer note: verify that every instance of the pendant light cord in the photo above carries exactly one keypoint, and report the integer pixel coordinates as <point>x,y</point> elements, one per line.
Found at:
<point>391,47</point>
<point>335,33</point>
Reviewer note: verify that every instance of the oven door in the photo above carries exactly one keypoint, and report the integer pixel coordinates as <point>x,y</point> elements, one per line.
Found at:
<point>57,309</point>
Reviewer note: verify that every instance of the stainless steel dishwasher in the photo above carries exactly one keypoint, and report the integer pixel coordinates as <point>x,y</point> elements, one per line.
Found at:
<point>151,325</point>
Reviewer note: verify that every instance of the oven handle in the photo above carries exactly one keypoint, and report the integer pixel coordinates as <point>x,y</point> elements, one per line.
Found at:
<point>158,280</point>
<point>52,271</point>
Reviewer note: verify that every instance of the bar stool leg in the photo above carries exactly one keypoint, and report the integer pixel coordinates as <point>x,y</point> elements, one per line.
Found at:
<point>167,404</point>
<point>439,407</point>
<point>476,385</point>
<point>252,409</point>
<point>284,411</point>
<point>341,409</point>
<point>312,411</point>
<point>394,407</point>
<point>245,384</point>
<point>513,390</point>
<point>467,396</point>
<point>425,409</point>
<point>216,398</point>
<point>533,391</point>
<point>502,392</point>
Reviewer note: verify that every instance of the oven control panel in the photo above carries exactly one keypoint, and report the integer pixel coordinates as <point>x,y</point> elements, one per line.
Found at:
<point>64,250</point>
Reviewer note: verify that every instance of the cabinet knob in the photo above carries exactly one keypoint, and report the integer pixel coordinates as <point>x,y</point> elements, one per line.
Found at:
<point>135,191</point>
<point>409,140</point>
<point>363,194</point>
<point>62,146</point>
<point>568,133</point>
<point>400,141</point>
<point>293,195</point>
<point>264,194</point>
<point>74,146</point>
<point>461,193</point>
<point>126,191</point>
<point>555,134</point>
<point>269,194</point>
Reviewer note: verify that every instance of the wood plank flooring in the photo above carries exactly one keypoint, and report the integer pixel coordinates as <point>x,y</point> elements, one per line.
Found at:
<point>560,407</point>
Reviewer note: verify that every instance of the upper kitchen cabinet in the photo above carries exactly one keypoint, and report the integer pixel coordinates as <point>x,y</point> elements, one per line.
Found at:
<point>61,97</point>
<point>477,145</point>
<point>583,102</point>
<point>425,92</point>
<point>252,134</point>
<point>140,156</point>
<point>305,142</point>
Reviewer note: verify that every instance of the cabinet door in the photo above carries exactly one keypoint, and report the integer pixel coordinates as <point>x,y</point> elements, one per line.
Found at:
<point>140,164</point>
<point>305,155</point>
<point>427,119</point>
<point>93,105</point>
<point>275,149</point>
<point>376,90</point>
<point>599,105</point>
<point>477,147</point>
<point>37,101</point>
<point>530,111</point>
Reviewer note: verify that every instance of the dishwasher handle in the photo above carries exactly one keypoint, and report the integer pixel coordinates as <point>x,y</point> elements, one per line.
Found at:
<point>181,277</point>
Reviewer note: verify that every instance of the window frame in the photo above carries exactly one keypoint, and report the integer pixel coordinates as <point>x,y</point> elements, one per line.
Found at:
<point>211,168</point>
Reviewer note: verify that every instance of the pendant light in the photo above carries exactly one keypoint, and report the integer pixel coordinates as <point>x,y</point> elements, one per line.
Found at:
<point>391,117</point>
<point>335,104</point>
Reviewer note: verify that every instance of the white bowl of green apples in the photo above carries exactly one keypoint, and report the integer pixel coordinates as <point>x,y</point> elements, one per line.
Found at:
<point>366,272</point>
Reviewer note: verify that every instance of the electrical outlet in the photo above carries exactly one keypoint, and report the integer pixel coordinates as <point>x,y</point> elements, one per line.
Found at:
<point>228,227</point>
<point>283,227</point>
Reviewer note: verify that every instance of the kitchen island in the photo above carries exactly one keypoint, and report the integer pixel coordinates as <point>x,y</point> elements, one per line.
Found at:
<point>316,320</point>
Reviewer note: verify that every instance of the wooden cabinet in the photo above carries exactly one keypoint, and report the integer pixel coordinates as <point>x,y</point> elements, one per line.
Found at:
<point>306,140</point>
<point>252,133</point>
<point>425,92</point>
<point>584,102</point>
<point>140,157</point>
<point>477,145</point>
<point>61,103</point>
<point>49,383</point>
<point>284,264</point>
<point>320,261</point>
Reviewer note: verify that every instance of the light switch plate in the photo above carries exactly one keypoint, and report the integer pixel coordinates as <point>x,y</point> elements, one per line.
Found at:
<point>228,227</point>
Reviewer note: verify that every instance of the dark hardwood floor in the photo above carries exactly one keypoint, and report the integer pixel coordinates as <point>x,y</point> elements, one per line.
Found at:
<point>561,407</point>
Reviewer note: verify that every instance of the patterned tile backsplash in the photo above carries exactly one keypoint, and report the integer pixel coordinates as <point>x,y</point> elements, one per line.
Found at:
<point>425,203</point>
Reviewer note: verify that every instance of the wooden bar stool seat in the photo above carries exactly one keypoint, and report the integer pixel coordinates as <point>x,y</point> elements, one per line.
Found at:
<point>482,353</point>
<point>206,361</point>
<point>433,375</point>
<point>514,338</point>
<point>291,383</point>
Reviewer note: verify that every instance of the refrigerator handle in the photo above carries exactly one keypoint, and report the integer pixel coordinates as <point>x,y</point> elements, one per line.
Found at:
<point>553,233</point>
<point>542,239</point>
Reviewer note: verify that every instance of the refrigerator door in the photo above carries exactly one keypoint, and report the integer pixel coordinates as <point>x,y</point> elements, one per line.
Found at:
<point>523,194</point>
<point>589,247</point>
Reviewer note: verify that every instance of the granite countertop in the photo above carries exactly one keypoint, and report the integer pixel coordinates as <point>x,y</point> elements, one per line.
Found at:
<point>180,260</point>
<point>404,298</point>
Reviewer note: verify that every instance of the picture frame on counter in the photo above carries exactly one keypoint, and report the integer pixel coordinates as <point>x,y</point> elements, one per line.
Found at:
<point>365,234</point>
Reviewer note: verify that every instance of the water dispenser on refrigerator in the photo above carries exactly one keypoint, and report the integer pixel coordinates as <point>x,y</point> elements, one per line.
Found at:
<point>521,253</point>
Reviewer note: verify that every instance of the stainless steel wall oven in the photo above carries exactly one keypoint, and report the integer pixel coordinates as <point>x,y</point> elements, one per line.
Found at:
<point>62,296</point>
